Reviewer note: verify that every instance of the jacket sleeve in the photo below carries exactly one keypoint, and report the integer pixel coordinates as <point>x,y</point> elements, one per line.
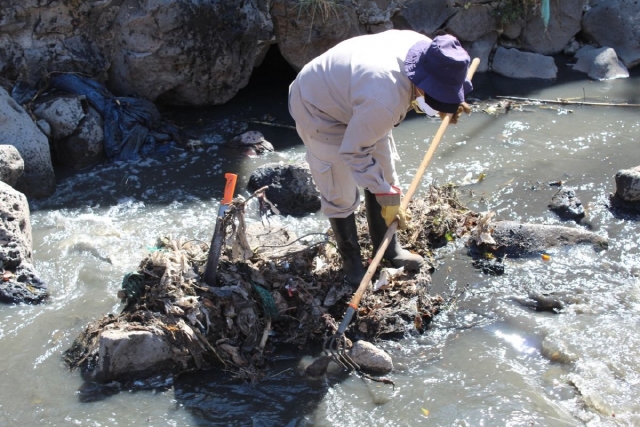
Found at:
<point>371,121</point>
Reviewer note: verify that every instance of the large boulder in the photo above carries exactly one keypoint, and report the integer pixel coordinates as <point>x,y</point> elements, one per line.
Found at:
<point>482,49</point>
<point>600,64</point>
<point>183,52</point>
<point>471,23</point>
<point>424,16</point>
<point>18,129</point>
<point>19,282</point>
<point>615,23</point>
<point>523,65</point>
<point>304,30</point>
<point>291,187</point>
<point>564,23</point>
<point>175,51</point>
<point>11,164</point>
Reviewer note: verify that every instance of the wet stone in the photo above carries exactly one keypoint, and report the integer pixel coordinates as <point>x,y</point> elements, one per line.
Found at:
<point>370,358</point>
<point>567,205</point>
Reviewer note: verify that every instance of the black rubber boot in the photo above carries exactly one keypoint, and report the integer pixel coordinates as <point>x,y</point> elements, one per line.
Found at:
<point>397,256</point>
<point>346,233</point>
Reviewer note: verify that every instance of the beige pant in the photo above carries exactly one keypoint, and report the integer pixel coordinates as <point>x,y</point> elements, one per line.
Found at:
<point>339,193</point>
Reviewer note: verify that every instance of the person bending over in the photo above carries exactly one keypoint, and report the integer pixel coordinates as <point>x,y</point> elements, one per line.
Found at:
<point>345,103</point>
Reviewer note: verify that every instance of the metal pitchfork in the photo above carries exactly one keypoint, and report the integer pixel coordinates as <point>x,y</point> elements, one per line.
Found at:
<point>336,344</point>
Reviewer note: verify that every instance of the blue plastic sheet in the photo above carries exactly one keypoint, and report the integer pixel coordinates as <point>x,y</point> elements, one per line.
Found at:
<point>127,121</point>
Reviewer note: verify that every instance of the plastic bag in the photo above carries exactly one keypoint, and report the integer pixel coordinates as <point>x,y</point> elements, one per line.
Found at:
<point>127,121</point>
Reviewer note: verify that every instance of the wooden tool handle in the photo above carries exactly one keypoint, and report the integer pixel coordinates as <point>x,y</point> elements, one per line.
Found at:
<point>229,188</point>
<point>355,300</point>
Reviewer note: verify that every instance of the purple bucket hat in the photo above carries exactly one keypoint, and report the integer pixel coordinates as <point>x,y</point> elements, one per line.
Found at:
<point>440,69</point>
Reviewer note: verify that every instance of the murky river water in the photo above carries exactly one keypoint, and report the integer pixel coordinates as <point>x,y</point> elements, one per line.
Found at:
<point>487,360</point>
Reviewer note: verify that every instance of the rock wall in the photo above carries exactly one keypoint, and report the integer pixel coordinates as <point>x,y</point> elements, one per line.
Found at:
<point>201,53</point>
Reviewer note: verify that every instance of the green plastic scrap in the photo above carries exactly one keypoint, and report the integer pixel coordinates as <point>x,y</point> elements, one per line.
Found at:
<point>133,285</point>
<point>268,304</point>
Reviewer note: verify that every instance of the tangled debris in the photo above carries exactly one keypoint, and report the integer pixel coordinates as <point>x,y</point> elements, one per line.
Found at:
<point>274,289</point>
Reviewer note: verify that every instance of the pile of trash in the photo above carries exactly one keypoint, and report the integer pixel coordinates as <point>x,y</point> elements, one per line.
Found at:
<point>273,288</point>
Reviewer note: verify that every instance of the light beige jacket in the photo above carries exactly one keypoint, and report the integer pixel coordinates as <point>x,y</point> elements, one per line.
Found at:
<point>354,94</point>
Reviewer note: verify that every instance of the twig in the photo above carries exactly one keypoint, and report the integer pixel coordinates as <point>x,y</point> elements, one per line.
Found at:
<point>255,194</point>
<point>278,125</point>
<point>566,102</point>
<point>265,335</point>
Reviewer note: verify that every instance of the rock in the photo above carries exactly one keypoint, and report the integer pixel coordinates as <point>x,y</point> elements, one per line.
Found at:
<point>516,239</point>
<point>370,358</point>
<point>615,23</point>
<point>18,129</point>
<point>318,367</point>
<point>304,32</point>
<point>131,353</point>
<point>567,205</point>
<point>628,184</point>
<point>564,23</point>
<point>184,53</point>
<point>253,141</point>
<point>600,64</point>
<point>512,30</point>
<point>62,113</point>
<point>482,49</point>
<point>11,164</point>
<point>571,48</point>
<point>472,23</point>
<point>19,282</point>
<point>291,187</point>
<point>424,16</point>
<point>174,51</point>
<point>523,65</point>
<point>85,146</point>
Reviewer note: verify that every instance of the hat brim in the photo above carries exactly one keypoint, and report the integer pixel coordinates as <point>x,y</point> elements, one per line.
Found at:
<point>443,107</point>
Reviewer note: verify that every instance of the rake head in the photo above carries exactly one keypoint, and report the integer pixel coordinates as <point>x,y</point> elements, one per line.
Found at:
<point>335,346</point>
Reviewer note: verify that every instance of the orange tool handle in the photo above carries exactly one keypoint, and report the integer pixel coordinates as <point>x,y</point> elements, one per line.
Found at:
<point>229,188</point>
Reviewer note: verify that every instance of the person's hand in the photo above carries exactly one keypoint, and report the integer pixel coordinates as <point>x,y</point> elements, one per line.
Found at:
<point>462,108</point>
<point>391,208</point>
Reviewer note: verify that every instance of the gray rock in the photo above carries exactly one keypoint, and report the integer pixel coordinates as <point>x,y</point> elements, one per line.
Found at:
<point>512,30</point>
<point>18,129</point>
<point>184,53</point>
<point>131,353</point>
<point>571,48</point>
<point>176,51</point>
<point>628,184</point>
<point>523,65</point>
<point>19,282</point>
<point>470,24</point>
<point>85,146</point>
<point>370,358</point>
<point>564,23</point>
<point>482,48</point>
<point>303,33</point>
<point>615,23</point>
<point>567,205</point>
<point>424,16</point>
<point>63,114</point>
<point>600,64</point>
<point>516,239</point>
<point>291,187</point>
<point>11,164</point>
